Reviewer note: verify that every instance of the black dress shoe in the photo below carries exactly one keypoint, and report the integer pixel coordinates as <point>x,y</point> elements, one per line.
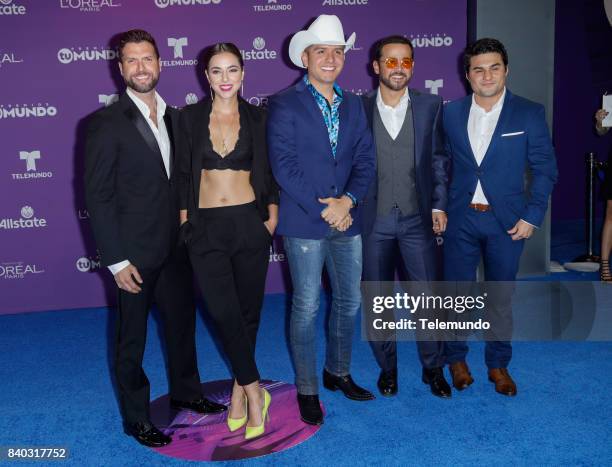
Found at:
<point>201,405</point>
<point>387,383</point>
<point>435,378</point>
<point>347,386</point>
<point>146,433</point>
<point>310,409</point>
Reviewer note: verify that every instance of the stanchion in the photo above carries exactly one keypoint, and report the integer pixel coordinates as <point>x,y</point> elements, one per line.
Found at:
<point>588,262</point>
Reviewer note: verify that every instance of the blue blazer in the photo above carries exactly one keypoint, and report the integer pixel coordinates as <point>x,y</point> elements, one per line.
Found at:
<point>520,141</point>
<point>304,167</point>
<point>431,159</point>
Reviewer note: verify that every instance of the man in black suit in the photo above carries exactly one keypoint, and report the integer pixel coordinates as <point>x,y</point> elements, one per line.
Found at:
<point>132,197</point>
<point>405,205</point>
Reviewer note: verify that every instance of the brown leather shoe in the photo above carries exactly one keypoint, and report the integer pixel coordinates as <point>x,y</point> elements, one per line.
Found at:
<point>503,381</point>
<point>462,377</point>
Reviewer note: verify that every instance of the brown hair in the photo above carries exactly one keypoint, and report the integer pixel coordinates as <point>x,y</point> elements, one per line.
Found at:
<point>219,48</point>
<point>136,36</point>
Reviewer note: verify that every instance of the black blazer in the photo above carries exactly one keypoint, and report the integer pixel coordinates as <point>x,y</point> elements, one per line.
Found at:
<point>432,163</point>
<point>133,207</point>
<point>194,133</point>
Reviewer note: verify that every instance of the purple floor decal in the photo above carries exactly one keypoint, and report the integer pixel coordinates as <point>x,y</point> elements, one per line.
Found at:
<point>206,437</point>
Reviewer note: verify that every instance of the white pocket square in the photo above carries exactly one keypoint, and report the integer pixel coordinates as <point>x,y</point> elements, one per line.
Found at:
<point>513,134</point>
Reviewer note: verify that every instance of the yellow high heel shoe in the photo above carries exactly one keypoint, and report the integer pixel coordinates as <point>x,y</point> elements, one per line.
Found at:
<point>255,431</point>
<point>236,423</point>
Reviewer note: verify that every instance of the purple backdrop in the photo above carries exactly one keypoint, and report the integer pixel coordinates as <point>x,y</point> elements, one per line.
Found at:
<point>57,67</point>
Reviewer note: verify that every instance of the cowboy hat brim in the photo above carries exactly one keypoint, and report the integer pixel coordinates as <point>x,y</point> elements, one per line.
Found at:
<point>304,39</point>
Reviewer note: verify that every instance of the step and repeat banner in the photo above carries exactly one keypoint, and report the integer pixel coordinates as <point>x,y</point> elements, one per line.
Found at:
<point>57,66</point>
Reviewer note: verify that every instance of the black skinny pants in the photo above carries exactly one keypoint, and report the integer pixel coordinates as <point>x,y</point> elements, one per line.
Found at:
<point>229,250</point>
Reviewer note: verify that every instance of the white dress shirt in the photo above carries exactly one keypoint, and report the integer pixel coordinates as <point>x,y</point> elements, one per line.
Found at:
<point>393,117</point>
<point>163,141</point>
<point>481,125</point>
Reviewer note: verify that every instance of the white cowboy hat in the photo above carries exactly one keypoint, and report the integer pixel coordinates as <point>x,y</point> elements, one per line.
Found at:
<point>325,30</point>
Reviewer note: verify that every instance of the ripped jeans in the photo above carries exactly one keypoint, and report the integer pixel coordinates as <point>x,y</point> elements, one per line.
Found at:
<point>341,256</point>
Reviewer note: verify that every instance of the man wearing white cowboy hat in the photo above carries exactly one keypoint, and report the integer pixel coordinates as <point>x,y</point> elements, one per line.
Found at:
<point>322,156</point>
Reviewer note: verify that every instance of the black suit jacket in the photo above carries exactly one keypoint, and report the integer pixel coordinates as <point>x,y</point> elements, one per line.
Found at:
<point>432,163</point>
<point>132,204</point>
<point>194,132</point>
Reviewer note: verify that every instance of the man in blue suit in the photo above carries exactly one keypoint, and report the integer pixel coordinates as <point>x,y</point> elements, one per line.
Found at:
<point>405,205</point>
<point>321,154</point>
<point>493,137</point>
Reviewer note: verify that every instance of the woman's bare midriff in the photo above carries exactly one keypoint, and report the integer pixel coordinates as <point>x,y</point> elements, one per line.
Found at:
<point>219,188</point>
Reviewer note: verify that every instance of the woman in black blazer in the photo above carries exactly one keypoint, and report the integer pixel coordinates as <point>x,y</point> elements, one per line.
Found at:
<point>229,206</point>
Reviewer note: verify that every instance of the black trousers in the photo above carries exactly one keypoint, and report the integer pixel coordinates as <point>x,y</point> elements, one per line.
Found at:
<point>170,286</point>
<point>417,251</point>
<point>230,250</point>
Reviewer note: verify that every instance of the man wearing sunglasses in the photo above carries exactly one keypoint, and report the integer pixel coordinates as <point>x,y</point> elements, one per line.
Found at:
<point>404,208</point>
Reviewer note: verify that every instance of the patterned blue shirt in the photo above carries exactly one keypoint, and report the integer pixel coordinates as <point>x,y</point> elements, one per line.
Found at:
<point>331,114</point>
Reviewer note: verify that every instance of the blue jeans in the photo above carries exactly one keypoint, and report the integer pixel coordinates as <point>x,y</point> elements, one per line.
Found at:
<point>342,257</point>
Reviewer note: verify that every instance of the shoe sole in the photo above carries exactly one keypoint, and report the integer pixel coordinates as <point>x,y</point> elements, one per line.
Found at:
<point>311,423</point>
<point>176,407</point>
<point>510,394</point>
<point>336,388</point>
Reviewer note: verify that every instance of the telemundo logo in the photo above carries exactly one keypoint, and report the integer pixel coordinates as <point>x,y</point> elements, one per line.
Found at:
<point>430,40</point>
<point>177,44</point>
<point>27,111</point>
<point>167,3</point>
<point>272,5</point>
<point>85,264</point>
<point>259,51</point>
<point>107,99</point>
<point>30,158</point>
<point>86,54</point>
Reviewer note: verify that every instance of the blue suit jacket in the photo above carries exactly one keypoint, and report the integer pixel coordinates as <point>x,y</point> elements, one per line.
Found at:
<point>431,159</point>
<point>303,165</point>
<point>520,141</point>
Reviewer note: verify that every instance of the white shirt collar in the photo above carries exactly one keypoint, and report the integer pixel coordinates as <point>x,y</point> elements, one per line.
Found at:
<point>403,102</point>
<point>144,108</point>
<point>496,107</point>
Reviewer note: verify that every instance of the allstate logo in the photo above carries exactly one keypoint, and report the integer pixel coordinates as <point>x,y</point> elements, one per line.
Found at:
<point>259,51</point>
<point>27,212</point>
<point>344,2</point>
<point>27,221</point>
<point>191,98</point>
<point>7,9</point>
<point>259,43</point>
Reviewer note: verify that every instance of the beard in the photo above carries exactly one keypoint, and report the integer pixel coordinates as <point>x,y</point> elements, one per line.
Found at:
<point>395,85</point>
<point>142,88</point>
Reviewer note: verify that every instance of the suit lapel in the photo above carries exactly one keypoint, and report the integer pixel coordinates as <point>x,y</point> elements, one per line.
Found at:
<point>465,114</point>
<point>168,120</point>
<point>418,110</point>
<point>344,119</point>
<point>504,117</point>
<point>136,117</point>
<point>313,110</point>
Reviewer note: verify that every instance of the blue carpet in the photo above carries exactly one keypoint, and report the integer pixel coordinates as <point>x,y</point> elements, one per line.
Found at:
<point>56,390</point>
